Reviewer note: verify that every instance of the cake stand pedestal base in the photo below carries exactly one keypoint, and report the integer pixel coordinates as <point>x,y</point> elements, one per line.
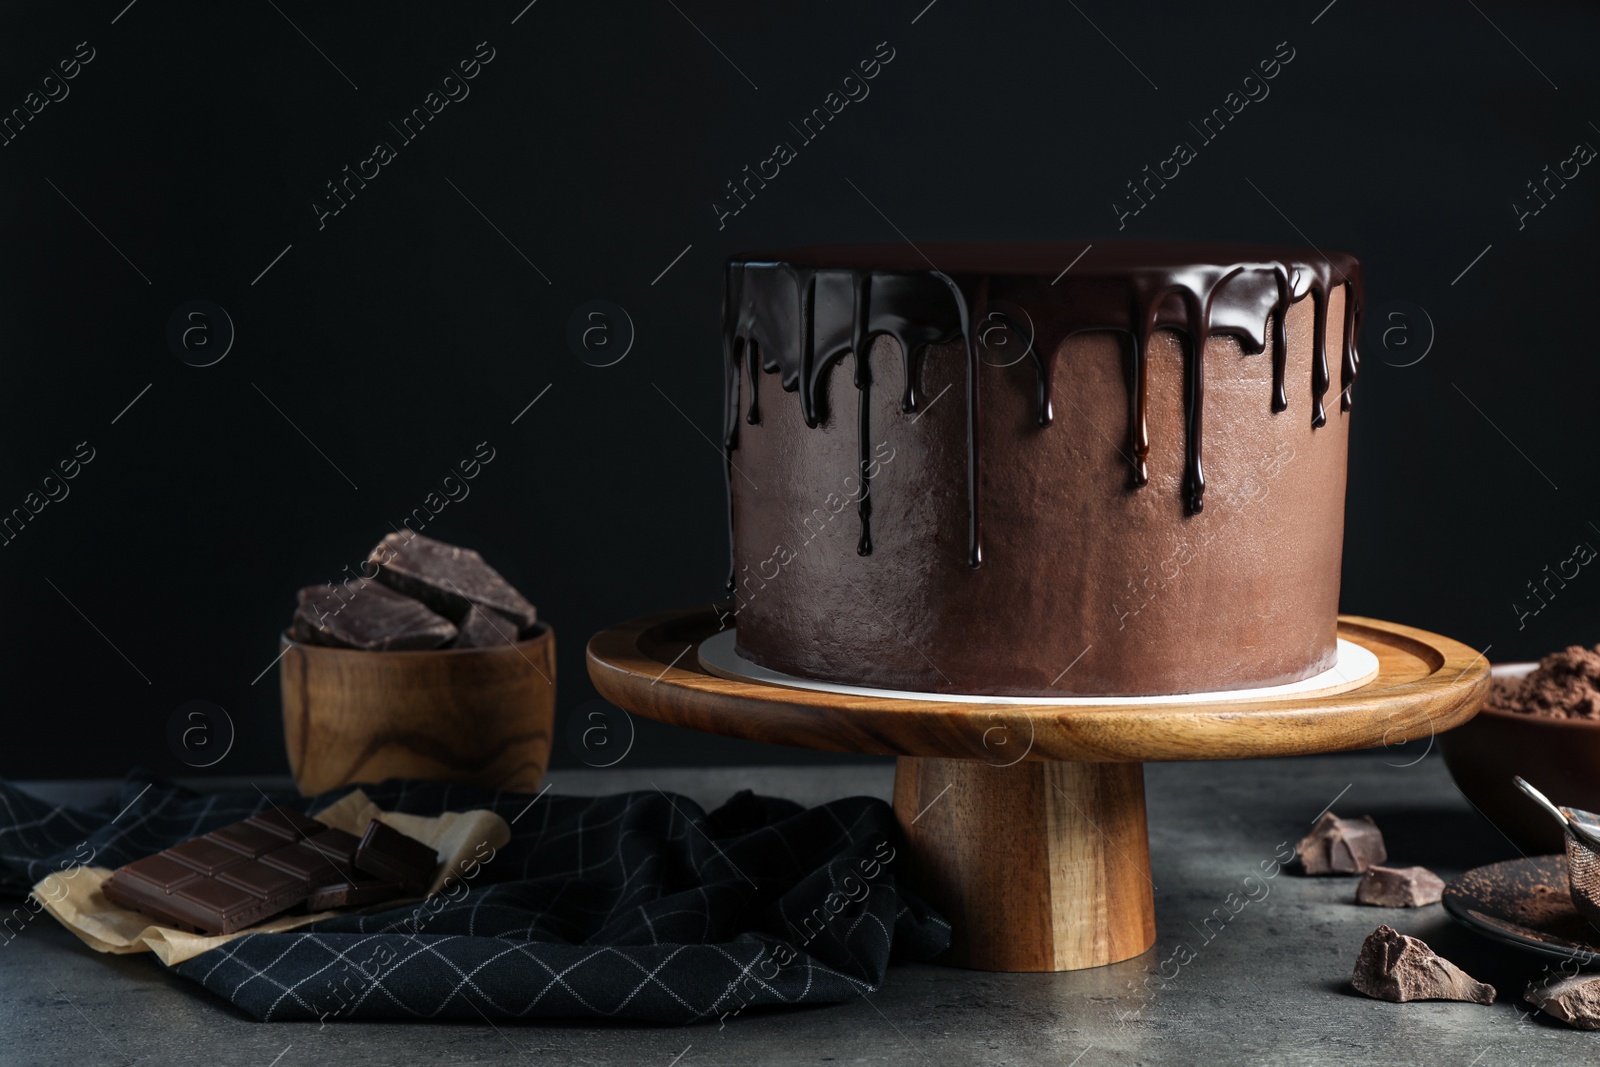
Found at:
<point>1024,824</point>
<point>1038,866</point>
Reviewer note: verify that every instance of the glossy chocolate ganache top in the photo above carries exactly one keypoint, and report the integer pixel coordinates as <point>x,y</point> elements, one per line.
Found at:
<point>799,312</point>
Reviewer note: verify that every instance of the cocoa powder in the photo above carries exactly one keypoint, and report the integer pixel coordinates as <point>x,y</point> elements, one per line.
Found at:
<point>1566,685</point>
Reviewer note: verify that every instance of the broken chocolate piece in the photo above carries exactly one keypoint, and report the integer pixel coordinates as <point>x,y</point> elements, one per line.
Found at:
<point>389,854</point>
<point>359,891</point>
<point>367,616</point>
<point>1341,846</point>
<point>1399,887</point>
<point>482,628</point>
<point>447,579</point>
<point>337,845</point>
<point>1395,967</point>
<point>1575,1000</point>
<point>286,824</point>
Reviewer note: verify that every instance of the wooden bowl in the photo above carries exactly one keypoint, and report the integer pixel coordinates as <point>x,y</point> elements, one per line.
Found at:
<point>1561,757</point>
<point>477,716</point>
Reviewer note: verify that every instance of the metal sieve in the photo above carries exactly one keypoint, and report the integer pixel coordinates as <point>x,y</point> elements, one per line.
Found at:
<point>1583,852</point>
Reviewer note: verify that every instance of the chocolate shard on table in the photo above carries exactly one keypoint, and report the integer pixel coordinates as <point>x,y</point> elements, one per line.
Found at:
<point>388,854</point>
<point>1395,967</point>
<point>1341,846</point>
<point>447,579</point>
<point>482,628</point>
<point>1399,887</point>
<point>367,615</point>
<point>356,891</point>
<point>1574,1000</point>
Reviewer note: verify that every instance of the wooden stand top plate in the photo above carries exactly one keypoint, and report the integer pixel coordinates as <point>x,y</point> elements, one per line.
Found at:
<point>1426,684</point>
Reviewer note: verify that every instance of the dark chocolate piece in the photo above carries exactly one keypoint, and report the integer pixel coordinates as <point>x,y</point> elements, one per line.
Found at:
<point>216,907</point>
<point>1395,967</point>
<point>359,891</point>
<point>481,628</point>
<point>389,854</point>
<point>287,824</point>
<point>304,630</point>
<point>203,854</point>
<point>1574,1000</point>
<point>306,862</point>
<point>1341,846</point>
<point>1399,887</point>
<point>336,844</point>
<point>247,838</point>
<point>370,616</point>
<point>447,579</point>
<point>159,871</point>
<point>266,882</point>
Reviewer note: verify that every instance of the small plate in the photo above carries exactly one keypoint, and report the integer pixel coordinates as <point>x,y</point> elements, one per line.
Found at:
<point>1525,903</point>
<point>1354,668</point>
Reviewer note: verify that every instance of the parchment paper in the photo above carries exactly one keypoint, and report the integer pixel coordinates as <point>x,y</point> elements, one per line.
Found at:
<point>74,896</point>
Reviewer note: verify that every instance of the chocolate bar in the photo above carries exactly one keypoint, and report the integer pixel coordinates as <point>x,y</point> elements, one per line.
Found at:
<point>223,881</point>
<point>389,854</point>
<point>367,616</point>
<point>1395,967</point>
<point>248,871</point>
<point>482,628</point>
<point>1341,846</point>
<point>448,579</point>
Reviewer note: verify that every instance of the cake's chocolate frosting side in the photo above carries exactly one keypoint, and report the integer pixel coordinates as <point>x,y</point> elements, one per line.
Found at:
<point>797,314</point>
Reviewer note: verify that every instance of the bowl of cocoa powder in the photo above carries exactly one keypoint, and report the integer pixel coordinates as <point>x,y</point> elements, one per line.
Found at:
<point>1541,721</point>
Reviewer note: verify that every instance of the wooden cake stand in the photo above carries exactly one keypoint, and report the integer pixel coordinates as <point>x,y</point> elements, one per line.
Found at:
<point>1025,823</point>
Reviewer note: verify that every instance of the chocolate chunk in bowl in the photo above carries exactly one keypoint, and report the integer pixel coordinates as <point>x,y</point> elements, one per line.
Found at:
<point>448,579</point>
<point>368,616</point>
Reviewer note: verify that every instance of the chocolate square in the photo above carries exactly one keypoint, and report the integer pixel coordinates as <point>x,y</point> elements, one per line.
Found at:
<point>231,906</point>
<point>204,855</point>
<point>159,871</point>
<point>287,824</point>
<point>144,898</point>
<point>246,839</point>
<point>266,883</point>
<point>303,861</point>
<point>336,844</point>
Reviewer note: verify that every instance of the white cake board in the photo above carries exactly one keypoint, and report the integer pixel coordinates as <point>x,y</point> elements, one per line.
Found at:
<point>1355,667</point>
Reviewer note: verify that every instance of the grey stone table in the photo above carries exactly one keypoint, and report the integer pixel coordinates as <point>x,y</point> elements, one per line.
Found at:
<point>1267,984</point>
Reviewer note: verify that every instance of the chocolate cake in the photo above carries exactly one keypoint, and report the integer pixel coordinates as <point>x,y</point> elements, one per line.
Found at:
<point>1039,470</point>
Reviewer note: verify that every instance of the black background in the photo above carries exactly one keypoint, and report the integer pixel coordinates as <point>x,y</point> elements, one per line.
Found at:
<point>407,329</point>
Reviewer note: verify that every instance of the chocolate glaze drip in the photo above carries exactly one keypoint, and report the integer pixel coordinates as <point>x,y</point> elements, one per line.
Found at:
<point>798,314</point>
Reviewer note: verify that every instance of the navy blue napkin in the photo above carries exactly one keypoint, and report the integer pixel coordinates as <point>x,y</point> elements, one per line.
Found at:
<point>635,906</point>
